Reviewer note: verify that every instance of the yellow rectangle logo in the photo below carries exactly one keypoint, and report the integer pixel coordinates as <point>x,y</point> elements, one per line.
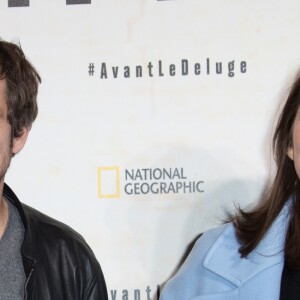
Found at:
<point>109,182</point>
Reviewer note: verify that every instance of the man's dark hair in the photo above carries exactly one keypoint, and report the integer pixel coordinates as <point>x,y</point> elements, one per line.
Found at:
<point>22,82</point>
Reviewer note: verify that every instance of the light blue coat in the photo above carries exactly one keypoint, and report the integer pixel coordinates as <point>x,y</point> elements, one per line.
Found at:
<point>215,271</point>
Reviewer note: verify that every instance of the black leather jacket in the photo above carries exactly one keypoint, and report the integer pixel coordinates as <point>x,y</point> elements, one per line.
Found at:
<point>58,263</point>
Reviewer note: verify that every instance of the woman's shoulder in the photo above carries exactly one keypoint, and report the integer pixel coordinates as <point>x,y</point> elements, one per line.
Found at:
<point>186,281</point>
<point>211,235</point>
<point>222,235</point>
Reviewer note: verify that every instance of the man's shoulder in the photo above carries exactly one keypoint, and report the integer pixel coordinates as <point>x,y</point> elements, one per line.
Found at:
<point>58,244</point>
<point>51,231</point>
<point>57,247</point>
<point>38,222</point>
<point>45,233</point>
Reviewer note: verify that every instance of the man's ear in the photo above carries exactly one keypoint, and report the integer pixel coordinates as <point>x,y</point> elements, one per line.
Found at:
<point>19,142</point>
<point>290,152</point>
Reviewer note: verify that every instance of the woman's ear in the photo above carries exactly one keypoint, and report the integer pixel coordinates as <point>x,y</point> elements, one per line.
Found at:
<point>290,152</point>
<point>19,142</point>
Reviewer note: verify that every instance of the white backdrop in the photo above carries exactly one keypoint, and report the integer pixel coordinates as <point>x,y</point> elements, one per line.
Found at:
<point>133,85</point>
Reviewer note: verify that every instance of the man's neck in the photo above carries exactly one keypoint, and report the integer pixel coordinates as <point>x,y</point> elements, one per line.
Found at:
<point>3,210</point>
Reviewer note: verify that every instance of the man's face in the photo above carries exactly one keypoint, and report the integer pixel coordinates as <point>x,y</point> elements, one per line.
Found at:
<point>5,133</point>
<point>8,145</point>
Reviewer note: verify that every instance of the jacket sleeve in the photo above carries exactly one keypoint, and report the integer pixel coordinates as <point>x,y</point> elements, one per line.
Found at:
<point>97,287</point>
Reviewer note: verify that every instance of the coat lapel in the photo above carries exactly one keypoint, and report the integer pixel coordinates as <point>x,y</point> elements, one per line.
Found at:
<point>222,260</point>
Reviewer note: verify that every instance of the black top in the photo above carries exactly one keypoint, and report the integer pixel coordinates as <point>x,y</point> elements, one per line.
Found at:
<point>290,284</point>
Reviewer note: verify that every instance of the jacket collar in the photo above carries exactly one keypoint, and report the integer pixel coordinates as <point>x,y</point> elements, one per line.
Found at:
<point>28,249</point>
<point>11,196</point>
<point>222,256</point>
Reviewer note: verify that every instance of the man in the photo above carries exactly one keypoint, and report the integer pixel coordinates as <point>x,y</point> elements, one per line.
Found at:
<point>40,258</point>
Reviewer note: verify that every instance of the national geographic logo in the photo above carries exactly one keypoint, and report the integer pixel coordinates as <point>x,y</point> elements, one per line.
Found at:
<point>145,181</point>
<point>109,182</point>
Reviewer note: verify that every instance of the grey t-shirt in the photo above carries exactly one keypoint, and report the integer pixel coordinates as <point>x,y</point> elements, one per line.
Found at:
<point>12,275</point>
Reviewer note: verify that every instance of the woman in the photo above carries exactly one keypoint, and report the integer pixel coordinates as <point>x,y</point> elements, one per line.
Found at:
<point>257,255</point>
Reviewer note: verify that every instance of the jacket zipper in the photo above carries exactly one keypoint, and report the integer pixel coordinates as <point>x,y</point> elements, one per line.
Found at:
<point>27,281</point>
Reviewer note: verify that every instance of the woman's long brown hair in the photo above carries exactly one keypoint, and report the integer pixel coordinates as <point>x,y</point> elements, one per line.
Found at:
<point>251,226</point>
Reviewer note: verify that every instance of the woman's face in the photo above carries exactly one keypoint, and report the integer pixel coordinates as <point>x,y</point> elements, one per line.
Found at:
<point>294,151</point>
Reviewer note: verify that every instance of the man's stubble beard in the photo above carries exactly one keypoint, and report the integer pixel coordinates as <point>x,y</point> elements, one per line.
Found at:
<point>6,162</point>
